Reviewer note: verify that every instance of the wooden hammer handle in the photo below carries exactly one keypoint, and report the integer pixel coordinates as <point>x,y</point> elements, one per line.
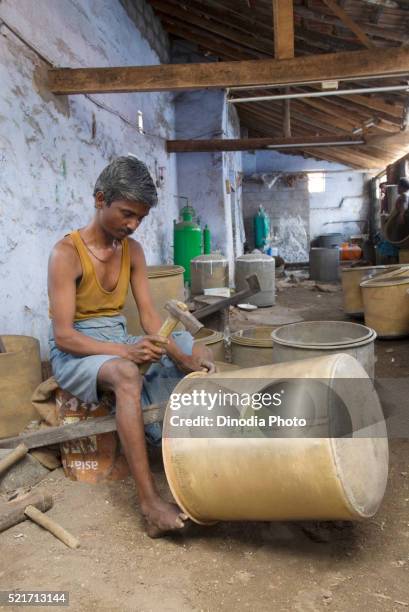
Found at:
<point>51,526</point>
<point>166,329</point>
<point>15,455</point>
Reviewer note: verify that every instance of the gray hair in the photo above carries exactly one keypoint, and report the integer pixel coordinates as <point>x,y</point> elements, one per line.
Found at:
<point>127,178</point>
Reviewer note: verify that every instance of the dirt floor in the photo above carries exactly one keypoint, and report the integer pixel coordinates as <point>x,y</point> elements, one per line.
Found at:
<point>247,566</point>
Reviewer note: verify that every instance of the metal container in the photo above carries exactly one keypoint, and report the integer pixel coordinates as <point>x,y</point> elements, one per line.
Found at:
<point>351,280</point>
<point>264,267</point>
<point>214,340</point>
<point>166,283</point>
<point>313,338</point>
<point>187,240</point>
<point>20,375</point>
<point>329,241</point>
<point>386,303</point>
<point>404,256</point>
<point>252,347</point>
<point>265,478</point>
<point>209,272</point>
<point>397,233</point>
<point>324,264</point>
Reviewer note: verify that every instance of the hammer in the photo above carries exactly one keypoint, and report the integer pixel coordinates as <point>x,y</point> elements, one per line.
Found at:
<point>178,312</point>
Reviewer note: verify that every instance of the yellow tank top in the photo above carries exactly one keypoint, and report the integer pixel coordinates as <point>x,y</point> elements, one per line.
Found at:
<point>91,299</point>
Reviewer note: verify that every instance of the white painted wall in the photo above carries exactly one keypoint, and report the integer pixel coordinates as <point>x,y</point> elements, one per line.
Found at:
<point>345,198</point>
<point>49,159</point>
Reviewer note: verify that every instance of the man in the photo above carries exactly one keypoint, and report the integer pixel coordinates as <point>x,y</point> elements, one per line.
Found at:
<point>90,350</point>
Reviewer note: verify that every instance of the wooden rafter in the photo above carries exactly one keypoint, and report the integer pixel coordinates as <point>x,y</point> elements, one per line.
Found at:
<point>349,23</point>
<point>193,17</point>
<point>283,18</point>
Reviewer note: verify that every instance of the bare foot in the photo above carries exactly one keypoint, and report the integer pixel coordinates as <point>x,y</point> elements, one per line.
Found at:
<point>162,518</point>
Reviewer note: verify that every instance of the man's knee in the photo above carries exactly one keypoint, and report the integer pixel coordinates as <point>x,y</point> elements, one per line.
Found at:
<point>124,375</point>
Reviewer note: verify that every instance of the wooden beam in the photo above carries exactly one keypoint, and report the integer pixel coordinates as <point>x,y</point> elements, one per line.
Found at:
<point>283,20</point>
<point>349,23</point>
<point>245,144</point>
<point>178,77</point>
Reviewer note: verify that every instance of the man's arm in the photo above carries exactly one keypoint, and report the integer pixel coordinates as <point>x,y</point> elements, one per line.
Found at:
<point>63,272</point>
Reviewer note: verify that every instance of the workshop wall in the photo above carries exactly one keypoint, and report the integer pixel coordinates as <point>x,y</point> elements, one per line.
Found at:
<point>285,200</point>
<point>298,212</point>
<point>52,148</point>
<point>212,181</point>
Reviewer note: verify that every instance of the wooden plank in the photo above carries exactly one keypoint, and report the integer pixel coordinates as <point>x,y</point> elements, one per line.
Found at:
<point>177,77</point>
<point>283,21</point>
<point>350,23</point>
<point>81,429</point>
<point>245,144</point>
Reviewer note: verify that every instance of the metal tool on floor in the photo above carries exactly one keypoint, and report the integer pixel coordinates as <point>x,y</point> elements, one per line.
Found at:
<point>253,288</point>
<point>33,506</point>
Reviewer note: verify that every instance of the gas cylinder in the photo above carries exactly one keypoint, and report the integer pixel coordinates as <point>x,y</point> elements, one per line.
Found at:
<point>187,240</point>
<point>261,228</point>
<point>207,241</point>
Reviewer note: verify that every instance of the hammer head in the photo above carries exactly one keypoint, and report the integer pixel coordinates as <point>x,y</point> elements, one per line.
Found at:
<point>179,311</point>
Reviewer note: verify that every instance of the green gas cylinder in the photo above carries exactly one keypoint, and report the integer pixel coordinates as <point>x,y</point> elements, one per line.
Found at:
<point>261,228</point>
<point>187,240</point>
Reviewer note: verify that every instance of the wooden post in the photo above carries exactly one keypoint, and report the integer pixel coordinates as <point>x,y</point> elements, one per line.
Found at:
<point>283,21</point>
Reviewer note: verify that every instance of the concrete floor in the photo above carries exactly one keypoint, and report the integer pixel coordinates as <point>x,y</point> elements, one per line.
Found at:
<point>230,566</point>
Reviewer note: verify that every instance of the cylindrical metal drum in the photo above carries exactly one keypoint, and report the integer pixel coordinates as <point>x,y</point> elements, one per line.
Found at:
<point>324,264</point>
<point>313,338</point>
<point>252,347</point>
<point>329,241</point>
<point>209,272</point>
<point>351,280</point>
<point>264,267</point>
<point>263,477</point>
<point>396,232</point>
<point>214,340</point>
<point>20,375</point>
<point>166,283</point>
<point>386,303</point>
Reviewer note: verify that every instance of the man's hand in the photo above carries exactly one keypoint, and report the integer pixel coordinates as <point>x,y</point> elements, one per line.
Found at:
<point>197,363</point>
<point>146,349</point>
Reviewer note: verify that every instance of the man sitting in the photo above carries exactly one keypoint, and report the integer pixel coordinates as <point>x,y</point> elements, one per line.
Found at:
<point>90,349</point>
